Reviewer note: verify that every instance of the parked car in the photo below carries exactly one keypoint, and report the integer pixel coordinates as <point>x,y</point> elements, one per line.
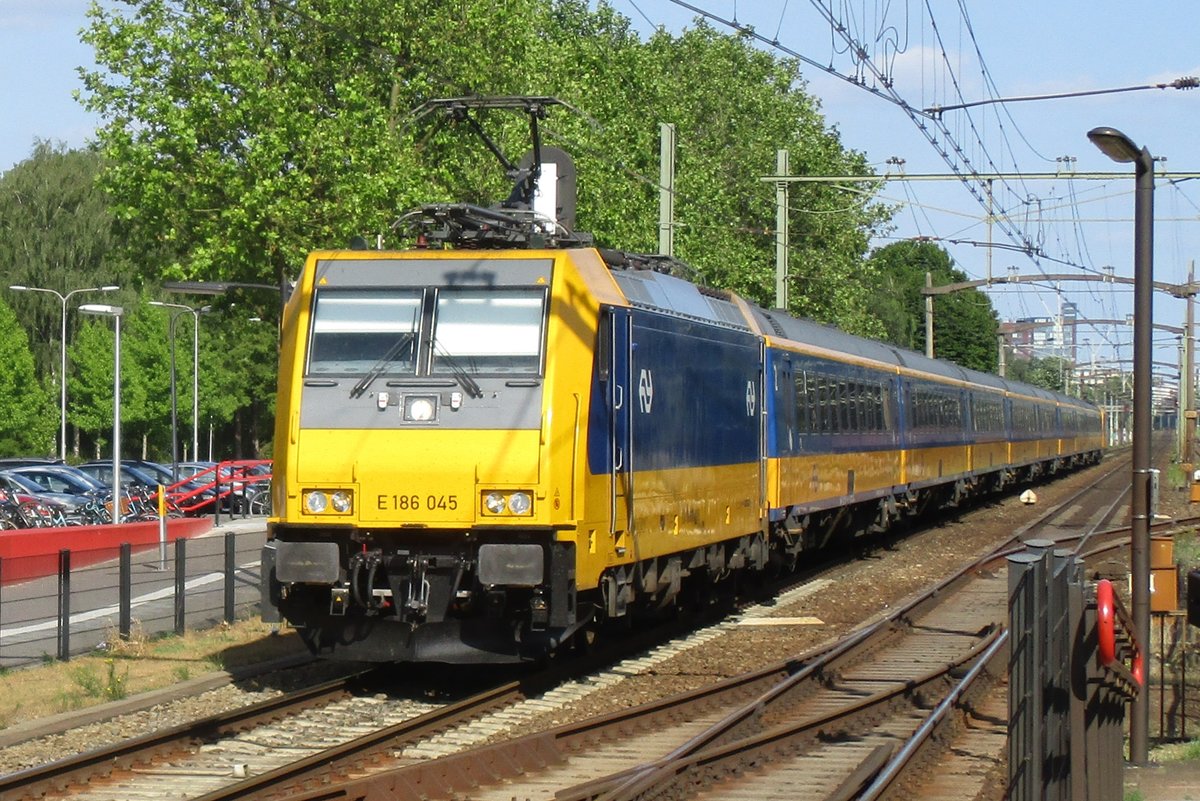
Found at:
<point>62,478</point>
<point>66,479</point>
<point>9,462</point>
<point>192,496</point>
<point>70,503</point>
<point>130,476</point>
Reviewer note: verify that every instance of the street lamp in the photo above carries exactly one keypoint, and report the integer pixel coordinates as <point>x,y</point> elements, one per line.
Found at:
<point>62,377</point>
<point>1120,148</point>
<point>196,312</point>
<point>114,312</point>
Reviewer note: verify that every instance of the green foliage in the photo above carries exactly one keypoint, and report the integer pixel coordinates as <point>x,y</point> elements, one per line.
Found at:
<point>1050,372</point>
<point>55,233</point>
<point>28,414</point>
<point>113,686</point>
<point>239,137</point>
<point>90,401</point>
<point>964,323</point>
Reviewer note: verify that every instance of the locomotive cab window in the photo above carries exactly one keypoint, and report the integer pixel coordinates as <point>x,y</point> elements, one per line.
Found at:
<point>357,330</point>
<point>489,331</point>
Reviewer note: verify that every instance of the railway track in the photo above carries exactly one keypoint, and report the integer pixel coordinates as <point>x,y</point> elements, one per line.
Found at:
<point>437,751</point>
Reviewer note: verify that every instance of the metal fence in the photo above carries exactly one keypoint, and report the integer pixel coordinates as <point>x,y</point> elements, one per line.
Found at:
<point>1068,680</point>
<point>97,595</point>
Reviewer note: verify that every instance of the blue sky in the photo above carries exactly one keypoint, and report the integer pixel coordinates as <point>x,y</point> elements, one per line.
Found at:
<point>1028,48</point>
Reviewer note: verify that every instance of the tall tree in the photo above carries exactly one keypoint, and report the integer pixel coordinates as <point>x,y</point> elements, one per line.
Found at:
<point>28,419</point>
<point>965,324</point>
<point>55,233</point>
<point>90,404</point>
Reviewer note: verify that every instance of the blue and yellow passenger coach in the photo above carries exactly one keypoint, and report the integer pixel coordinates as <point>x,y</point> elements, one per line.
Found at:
<point>481,454</point>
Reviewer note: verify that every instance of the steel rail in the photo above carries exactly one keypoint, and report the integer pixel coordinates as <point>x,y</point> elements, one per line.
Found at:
<point>341,757</point>
<point>660,776</point>
<point>36,781</point>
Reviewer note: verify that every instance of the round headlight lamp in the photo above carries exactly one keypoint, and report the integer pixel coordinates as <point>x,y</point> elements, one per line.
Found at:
<point>420,409</point>
<point>519,503</point>
<point>340,501</point>
<point>316,502</point>
<point>494,503</point>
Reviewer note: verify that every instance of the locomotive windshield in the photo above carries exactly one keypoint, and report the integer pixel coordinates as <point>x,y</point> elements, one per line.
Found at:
<point>373,331</point>
<point>488,331</point>
<point>360,330</point>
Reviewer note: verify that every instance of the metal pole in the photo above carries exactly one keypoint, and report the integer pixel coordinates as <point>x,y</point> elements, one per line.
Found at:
<point>62,387</point>
<point>1143,288</point>
<point>230,574</point>
<point>125,591</point>
<point>180,584</point>
<point>195,384</point>
<point>1187,383</point>
<point>64,604</point>
<point>174,402</point>
<point>116,454</point>
<point>781,230</point>
<point>666,189</point>
<point>929,316</point>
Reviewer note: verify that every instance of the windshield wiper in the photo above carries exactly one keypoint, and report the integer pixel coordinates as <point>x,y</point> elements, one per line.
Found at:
<point>456,369</point>
<point>369,377</point>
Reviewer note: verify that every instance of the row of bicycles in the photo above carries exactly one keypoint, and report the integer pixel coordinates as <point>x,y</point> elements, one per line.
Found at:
<point>138,504</point>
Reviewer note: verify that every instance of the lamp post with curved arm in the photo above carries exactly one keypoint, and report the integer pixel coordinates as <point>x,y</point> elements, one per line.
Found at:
<point>1120,148</point>
<point>62,377</point>
<point>114,312</point>
<point>196,311</point>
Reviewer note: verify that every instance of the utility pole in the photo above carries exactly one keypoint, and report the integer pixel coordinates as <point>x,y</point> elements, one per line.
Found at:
<point>929,316</point>
<point>781,231</point>
<point>666,189</point>
<point>1002,368</point>
<point>991,220</point>
<point>1187,387</point>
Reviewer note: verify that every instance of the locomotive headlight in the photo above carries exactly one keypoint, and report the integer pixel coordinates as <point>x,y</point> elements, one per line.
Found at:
<point>519,503</point>
<point>342,501</point>
<point>328,501</point>
<point>494,503</point>
<point>508,503</point>
<point>420,408</point>
<point>316,502</point>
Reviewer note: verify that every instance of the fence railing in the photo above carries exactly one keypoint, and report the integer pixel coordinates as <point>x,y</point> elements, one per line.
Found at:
<point>126,591</point>
<point>1074,667</point>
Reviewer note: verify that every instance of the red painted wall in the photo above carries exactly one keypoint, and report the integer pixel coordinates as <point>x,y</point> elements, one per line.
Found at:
<point>33,552</point>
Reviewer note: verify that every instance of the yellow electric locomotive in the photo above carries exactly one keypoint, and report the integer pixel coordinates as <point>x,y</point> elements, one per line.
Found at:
<point>478,452</point>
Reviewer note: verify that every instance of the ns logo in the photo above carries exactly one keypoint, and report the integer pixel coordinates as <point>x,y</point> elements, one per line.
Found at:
<point>645,391</point>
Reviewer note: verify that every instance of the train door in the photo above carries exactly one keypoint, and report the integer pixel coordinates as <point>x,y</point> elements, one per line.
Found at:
<point>779,418</point>
<point>621,398</point>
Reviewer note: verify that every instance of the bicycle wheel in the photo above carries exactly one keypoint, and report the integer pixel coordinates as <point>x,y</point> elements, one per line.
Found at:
<point>260,504</point>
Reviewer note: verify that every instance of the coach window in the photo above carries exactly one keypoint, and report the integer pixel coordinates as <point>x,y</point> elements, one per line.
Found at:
<point>852,406</point>
<point>355,330</point>
<point>806,397</point>
<point>489,331</point>
<point>844,402</point>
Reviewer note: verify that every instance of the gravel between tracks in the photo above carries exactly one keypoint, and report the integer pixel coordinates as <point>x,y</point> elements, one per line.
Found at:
<point>861,589</point>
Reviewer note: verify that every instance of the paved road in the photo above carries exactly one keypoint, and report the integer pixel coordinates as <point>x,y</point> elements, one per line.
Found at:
<point>29,611</point>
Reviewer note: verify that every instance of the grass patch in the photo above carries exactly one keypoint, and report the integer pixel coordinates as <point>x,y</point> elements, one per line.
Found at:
<point>1176,478</point>
<point>1187,548</point>
<point>136,665</point>
<point>1176,752</point>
